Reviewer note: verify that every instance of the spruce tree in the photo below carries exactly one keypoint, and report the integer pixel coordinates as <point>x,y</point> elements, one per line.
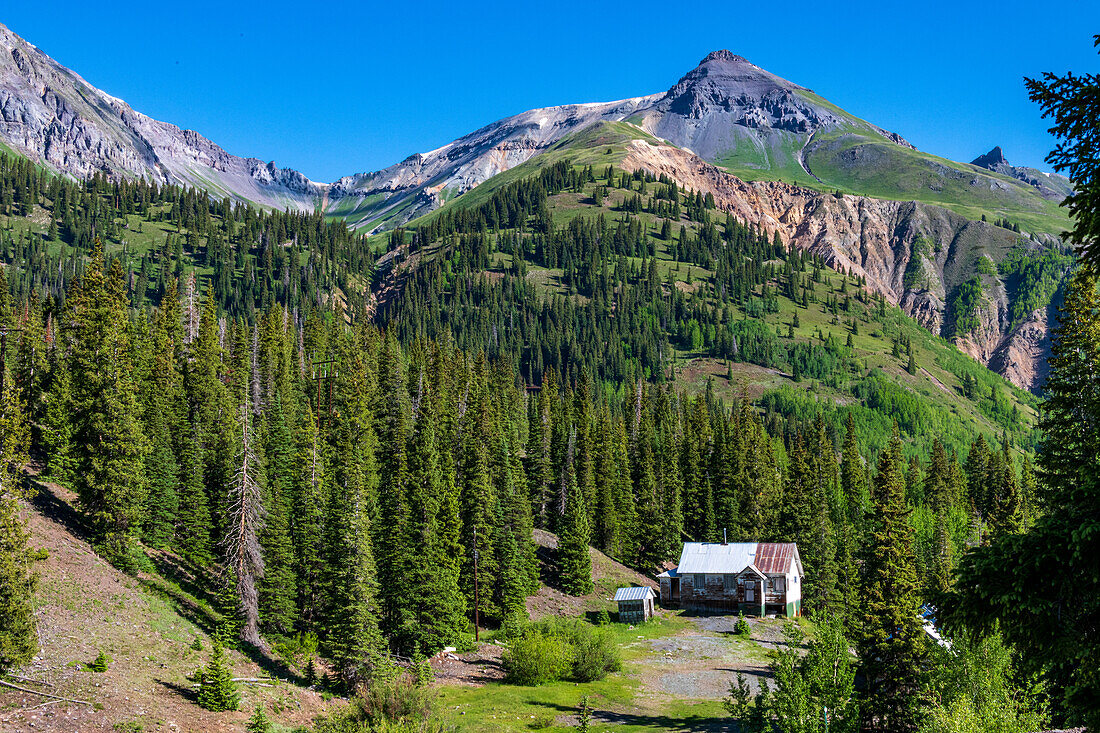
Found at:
<point>892,645</point>
<point>57,428</point>
<point>1053,564</point>
<point>109,443</point>
<point>393,533</point>
<point>193,513</point>
<point>350,622</point>
<point>440,608</point>
<point>308,515</point>
<point>574,561</point>
<point>217,692</point>
<point>278,589</point>
<point>18,637</point>
<point>162,473</point>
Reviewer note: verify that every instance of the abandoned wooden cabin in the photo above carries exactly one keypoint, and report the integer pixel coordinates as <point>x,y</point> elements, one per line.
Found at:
<point>754,578</point>
<point>635,604</point>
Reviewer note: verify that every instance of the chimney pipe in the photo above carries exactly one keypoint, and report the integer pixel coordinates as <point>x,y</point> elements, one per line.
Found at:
<point>723,535</point>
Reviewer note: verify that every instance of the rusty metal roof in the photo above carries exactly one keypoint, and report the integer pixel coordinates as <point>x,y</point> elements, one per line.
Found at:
<point>770,558</point>
<point>775,557</point>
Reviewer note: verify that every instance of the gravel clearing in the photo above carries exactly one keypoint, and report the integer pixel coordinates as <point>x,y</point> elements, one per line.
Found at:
<point>700,661</point>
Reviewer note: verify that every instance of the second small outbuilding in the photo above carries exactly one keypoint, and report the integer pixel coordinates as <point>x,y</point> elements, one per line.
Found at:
<point>635,604</point>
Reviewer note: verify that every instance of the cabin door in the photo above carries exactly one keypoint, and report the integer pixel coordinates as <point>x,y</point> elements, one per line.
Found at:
<point>750,592</point>
<point>675,589</point>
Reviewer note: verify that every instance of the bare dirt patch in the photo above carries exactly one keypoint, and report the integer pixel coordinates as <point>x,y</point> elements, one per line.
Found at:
<point>472,668</point>
<point>607,575</point>
<point>84,605</point>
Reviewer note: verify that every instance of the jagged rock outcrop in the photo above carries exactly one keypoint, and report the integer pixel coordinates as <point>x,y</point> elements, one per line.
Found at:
<point>724,103</point>
<point>915,254</point>
<point>1050,185</point>
<point>52,115</point>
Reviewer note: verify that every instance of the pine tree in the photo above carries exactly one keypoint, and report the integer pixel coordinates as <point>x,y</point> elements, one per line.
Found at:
<point>109,443</point>
<point>18,637</point>
<point>217,692</point>
<point>892,646</point>
<point>575,563</point>
<point>193,512</point>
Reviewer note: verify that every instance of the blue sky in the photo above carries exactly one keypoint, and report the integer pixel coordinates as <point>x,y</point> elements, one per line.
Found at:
<point>336,89</point>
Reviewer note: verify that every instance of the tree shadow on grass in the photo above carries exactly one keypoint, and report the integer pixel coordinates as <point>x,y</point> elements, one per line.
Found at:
<point>187,692</point>
<point>686,724</point>
<point>51,505</point>
<point>549,570</point>
<point>183,587</point>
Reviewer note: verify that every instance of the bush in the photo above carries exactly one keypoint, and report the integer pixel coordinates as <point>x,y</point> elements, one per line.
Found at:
<point>742,627</point>
<point>398,699</point>
<point>594,653</point>
<point>258,723</point>
<point>554,650</point>
<point>538,657</point>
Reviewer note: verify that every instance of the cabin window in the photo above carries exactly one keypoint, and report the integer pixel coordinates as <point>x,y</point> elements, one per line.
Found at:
<point>728,582</point>
<point>714,579</point>
<point>699,581</point>
<point>778,584</point>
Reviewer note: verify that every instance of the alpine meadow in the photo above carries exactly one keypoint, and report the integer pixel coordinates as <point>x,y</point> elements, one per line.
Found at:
<point>714,409</point>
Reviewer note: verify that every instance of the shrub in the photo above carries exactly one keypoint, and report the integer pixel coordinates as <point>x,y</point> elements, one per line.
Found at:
<point>538,657</point>
<point>217,692</point>
<point>393,700</point>
<point>594,653</point>
<point>742,627</point>
<point>603,618</point>
<point>554,650</point>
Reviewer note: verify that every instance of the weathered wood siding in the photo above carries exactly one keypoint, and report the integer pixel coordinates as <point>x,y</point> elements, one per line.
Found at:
<point>733,593</point>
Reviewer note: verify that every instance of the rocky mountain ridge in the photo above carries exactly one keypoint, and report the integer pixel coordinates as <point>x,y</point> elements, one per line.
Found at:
<point>915,254</point>
<point>1050,186</point>
<point>723,107</point>
<point>53,116</point>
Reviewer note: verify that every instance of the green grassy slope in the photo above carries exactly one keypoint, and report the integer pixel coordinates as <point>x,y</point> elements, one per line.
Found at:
<point>873,384</point>
<point>852,161</point>
<point>855,158</point>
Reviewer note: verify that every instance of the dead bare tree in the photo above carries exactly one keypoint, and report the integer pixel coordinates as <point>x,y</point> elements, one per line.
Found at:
<point>242,542</point>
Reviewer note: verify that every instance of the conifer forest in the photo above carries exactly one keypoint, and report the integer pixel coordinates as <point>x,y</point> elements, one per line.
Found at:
<point>337,463</point>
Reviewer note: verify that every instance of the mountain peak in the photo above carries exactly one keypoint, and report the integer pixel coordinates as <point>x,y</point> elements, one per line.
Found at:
<point>991,160</point>
<point>723,55</point>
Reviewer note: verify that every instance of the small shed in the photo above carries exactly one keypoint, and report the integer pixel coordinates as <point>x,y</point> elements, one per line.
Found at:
<point>635,604</point>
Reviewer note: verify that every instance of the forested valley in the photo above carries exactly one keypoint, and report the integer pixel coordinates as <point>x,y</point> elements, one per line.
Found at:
<point>348,441</point>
